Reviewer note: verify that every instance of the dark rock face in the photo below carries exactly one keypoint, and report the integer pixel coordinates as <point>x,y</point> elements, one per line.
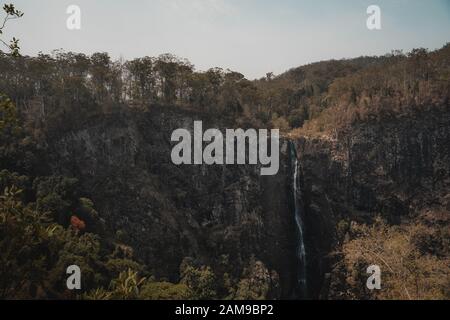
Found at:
<point>393,168</point>
<point>224,216</point>
<point>214,214</point>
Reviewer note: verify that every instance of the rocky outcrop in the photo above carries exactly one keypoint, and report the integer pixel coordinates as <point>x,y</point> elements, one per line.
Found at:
<point>393,168</point>
<point>229,216</point>
<point>222,216</point>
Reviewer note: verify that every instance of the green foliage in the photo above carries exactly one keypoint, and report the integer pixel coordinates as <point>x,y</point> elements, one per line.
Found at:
<point>86,211</point>
<point>97,294</point>
<point>11,13</point>
<point>256,282</point>
<point>35,253</point>
<point>115,266</point>
<point>9,121</point>
<point>36,241</point>
<point>23,232</point>
<point>127,285</point>
<point>57,195</point>
<point>8,179</point>
<point>201,281</point>
<point>83,251</point>
<point>16,148</point>
<point>121,260</point>
<point>165,291</point>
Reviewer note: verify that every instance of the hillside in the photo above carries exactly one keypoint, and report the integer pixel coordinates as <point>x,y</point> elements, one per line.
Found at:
<point>86,140</point>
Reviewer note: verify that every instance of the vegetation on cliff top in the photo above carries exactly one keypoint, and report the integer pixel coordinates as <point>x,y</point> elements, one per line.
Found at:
<point>57,91</point>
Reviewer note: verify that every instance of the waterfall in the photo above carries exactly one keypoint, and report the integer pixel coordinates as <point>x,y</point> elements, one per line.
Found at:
<point>301,251</point>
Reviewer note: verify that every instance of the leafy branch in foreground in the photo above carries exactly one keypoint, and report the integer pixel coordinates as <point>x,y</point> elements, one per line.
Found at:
<point>11,14</point>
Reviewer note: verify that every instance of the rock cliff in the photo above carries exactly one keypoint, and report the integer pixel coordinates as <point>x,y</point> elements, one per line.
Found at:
<point>395,169</point>
<point>227,216</point>
<point>221,216</point>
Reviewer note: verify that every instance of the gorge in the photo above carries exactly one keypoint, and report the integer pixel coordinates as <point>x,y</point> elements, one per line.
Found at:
<point>363,167</point>
<point>230,212</point>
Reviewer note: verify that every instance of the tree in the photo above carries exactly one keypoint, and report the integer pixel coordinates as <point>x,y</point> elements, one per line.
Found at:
<point>22,232</point>
<point>201,281</point>
<point>101,75</point>
<point>165,291</point>
<point>256,283</point>
<point>16,148</point>
<point>413,258</point>
<point>11,13</point>
<point>141,80</point>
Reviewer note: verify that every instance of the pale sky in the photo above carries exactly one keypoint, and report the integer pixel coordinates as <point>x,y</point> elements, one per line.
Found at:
<point>250,36</point>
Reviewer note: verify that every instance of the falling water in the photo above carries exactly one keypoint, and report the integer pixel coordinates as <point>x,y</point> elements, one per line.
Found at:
<point>301,251</point>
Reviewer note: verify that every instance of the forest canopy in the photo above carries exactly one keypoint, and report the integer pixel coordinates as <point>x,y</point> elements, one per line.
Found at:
<point>64,87</point>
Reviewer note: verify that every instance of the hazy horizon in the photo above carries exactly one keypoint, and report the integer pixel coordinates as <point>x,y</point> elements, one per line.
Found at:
<point>251,37</point>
